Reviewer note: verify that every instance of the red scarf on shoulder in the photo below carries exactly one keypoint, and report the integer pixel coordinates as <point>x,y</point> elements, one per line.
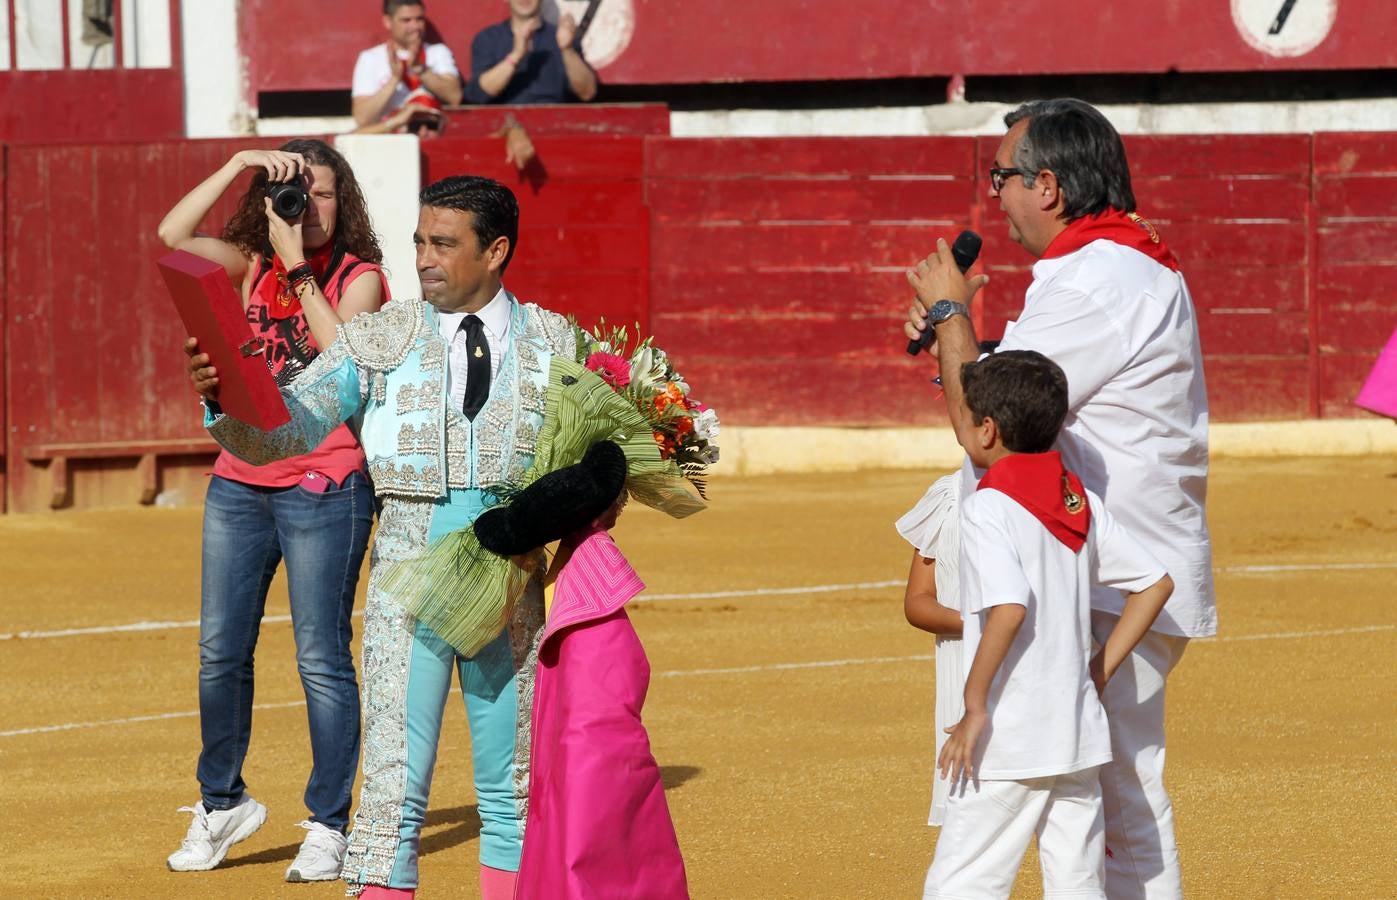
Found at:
<point>275,290</point>
<point>1127,229</point>
<point>1040,484</point>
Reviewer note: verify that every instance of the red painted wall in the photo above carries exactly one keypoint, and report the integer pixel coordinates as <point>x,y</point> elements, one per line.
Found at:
<point>92,340</point>
<point>92,105</point>
<point>777,271</point>
<point>675,42</point>
<point>584,230</point>
<point>89,105</point>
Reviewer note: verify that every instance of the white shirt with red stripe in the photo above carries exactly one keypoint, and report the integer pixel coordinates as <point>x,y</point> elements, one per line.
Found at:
<point>373,68</point>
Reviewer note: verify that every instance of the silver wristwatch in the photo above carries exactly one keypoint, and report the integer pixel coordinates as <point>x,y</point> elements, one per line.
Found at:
<point>942,310</point>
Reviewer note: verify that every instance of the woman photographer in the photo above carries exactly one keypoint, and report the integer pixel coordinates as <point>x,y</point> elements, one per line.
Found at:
<point>299,276</point>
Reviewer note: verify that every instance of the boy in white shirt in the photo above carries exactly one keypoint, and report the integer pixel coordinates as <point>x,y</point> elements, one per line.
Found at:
<point>1023,759</point>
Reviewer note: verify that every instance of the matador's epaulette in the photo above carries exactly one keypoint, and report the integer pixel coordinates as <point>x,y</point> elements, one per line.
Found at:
<point>380,341</point>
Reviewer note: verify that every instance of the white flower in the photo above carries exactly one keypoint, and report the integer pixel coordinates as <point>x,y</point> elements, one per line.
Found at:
<point>706,425</point>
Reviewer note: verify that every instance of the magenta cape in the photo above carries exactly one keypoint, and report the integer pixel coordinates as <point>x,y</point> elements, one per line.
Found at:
<point>1379,392</point>
<point>598,825</point>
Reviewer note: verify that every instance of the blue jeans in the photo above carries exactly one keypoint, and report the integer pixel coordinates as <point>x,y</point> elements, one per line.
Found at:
<point>322,536</point>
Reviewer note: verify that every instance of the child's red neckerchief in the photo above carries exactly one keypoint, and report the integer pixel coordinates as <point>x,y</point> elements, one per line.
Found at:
<point>1127,229</point>
<point>1039,483</point>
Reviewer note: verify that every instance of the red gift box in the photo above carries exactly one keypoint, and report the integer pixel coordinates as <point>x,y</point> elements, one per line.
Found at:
<point>213,313</point>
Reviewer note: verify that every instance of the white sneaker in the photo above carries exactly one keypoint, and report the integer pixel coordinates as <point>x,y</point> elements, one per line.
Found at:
<point>212,833</point>
<point>322,853</point>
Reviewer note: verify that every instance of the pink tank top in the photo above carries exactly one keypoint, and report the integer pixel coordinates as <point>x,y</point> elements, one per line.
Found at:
<point>290,348</point>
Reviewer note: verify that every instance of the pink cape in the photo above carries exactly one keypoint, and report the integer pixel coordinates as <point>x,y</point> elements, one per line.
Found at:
<point>598,825</point>
<point>1379,392</point>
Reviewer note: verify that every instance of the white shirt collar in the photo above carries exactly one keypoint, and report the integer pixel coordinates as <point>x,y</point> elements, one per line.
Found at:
<point>494,316</point>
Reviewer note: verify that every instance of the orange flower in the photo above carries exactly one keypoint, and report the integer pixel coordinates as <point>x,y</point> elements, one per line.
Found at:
<point>666,445</point>
<point>670,396</point>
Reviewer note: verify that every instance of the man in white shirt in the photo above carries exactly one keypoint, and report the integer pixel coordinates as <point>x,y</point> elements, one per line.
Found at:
<point>1110,307</point>
<point>404,70</point>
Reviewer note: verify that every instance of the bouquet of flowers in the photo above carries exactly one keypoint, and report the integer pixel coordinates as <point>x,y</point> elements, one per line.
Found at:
<point>632,397</point>
<point>684,429</point>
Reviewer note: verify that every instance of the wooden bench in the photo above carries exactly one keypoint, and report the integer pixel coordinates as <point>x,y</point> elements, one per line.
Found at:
<point>147,452</point>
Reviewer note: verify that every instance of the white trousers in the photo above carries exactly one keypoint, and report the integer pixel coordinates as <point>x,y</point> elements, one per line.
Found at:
<point>988,827</point>
<point>1142,860</point>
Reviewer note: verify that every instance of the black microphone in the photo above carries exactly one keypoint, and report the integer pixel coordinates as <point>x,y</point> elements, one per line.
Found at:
<point>965,251</point>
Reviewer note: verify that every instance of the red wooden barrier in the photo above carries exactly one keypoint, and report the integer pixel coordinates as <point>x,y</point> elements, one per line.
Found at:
<point>771,269</point>
<point>93,361</point>
<point>584,230</point>
<point>549,120</point>
<point>798,40</point>
<point>74,104</point>
<point>1355,191</point>
<point>5,263</point>
<point>777,270</point>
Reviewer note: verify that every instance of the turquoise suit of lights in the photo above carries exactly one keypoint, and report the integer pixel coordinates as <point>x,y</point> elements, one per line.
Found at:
<point>432,470</point>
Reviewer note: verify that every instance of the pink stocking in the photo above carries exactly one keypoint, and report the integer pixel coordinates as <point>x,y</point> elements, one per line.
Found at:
<point>374,892</point>
<point>497,884</point>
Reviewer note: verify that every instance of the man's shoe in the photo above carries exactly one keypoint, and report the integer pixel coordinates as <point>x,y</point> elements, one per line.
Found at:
<point>212,833</point>
<point>322,853</point>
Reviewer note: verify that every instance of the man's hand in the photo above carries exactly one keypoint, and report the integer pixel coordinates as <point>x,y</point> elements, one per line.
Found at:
<point>518,149</point>
<point>203,375</point>
<point>938,278</point>
<point>958,756</point>
<point>523,33</point>
<point>410,114</point>
<point>567,31</point>
<point>285,237</point>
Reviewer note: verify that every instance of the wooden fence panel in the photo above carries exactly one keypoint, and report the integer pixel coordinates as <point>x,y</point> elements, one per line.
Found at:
<point>777,270</point>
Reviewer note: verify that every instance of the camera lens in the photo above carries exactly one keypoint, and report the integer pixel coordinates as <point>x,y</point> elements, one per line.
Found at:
<point>288,199</point>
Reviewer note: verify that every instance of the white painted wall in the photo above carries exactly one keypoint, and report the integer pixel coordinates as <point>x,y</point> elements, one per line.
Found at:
<point>214,70</point>
<point>987,118</point>
<point>145,34</point>
<point>38,34</point>
<point>389,170</point>
<point>39,37</point>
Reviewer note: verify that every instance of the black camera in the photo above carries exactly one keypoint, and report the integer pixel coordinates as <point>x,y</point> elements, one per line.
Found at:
<point>288,198</point>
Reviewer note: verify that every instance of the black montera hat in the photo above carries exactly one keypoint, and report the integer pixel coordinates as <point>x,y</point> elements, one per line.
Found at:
<point>558,504</point>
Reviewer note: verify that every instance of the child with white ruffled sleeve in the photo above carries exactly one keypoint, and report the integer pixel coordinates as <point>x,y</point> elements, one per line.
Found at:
<point>1023,759</point>
<point>932,603</point>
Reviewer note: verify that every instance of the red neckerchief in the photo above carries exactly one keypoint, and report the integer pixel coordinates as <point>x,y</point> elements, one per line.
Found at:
<point>1127,229</point>
<point>1039,483</point>
<point>412,81</point>
<point>276,292</point>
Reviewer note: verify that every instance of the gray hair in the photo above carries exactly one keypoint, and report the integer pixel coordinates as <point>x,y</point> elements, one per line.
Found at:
<point>1073,140</point>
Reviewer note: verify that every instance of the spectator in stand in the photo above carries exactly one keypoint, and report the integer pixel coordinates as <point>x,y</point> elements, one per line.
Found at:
<point>525,60</point>
<point>404,83</point>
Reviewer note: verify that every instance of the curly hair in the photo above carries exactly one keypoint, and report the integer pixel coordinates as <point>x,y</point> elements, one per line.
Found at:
<point>247,227</point>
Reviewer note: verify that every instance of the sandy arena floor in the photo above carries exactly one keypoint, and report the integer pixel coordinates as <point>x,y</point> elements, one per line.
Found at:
<point>792,717</point>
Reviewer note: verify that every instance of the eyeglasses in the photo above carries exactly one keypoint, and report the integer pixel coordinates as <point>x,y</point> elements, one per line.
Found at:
<point>999,175</point>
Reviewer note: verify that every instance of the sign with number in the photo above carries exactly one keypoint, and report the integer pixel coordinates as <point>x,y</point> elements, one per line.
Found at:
<point>1284,27</point>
